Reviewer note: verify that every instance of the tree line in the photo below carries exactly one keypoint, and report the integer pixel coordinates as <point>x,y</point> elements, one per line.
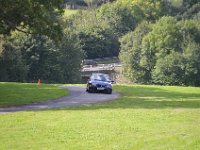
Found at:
<point>156,40</point>
<point>164,48</point>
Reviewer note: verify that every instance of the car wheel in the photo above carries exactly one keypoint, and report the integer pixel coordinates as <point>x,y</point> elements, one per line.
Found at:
<point>91,90</point>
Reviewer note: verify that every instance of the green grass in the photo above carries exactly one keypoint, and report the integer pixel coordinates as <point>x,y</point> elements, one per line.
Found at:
<point>23,93</point>
<point>177,3</point>
<point>145,117</point>
<point>69,12</point>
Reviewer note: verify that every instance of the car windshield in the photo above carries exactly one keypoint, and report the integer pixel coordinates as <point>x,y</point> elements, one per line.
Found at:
<point>100,77</point>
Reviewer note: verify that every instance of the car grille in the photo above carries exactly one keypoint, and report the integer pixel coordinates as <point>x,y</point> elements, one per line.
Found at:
<point>99,85</point>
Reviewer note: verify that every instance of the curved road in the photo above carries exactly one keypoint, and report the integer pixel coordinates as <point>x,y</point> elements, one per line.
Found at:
<point>77,97</point>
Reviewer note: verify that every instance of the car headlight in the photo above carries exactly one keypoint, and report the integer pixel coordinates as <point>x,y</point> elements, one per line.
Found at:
<point>92,84</point>
<point>109,86</point>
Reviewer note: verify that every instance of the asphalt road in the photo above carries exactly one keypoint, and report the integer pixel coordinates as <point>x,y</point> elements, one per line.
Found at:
<point>78,96</point>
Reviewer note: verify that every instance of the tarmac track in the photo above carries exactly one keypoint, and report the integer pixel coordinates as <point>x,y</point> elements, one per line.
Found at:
<point>78,96</point>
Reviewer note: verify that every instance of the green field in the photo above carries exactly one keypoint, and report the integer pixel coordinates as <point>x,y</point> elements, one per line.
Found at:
<point>23,93</point>
<point>145,117</point>
<point>69,12</point>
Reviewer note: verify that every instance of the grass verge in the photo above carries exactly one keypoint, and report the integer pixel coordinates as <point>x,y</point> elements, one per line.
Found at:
<point>23,93</point>
<point>69,12</point>
<point>145,117</point>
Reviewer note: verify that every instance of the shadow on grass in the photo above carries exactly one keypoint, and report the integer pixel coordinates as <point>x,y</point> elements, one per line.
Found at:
<point>137,97</point>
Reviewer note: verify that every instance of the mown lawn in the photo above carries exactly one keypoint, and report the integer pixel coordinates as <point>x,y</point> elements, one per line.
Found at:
<point>145,117</point>
<point>23,93</point>
<point>69,12</point>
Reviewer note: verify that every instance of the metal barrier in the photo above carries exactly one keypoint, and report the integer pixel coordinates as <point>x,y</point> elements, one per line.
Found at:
<point>101,67</point>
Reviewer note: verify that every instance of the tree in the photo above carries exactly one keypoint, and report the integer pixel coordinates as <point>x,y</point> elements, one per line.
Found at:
<point>169,40</point>
<point>168,53</point>
<point>31,16</point>
<point>131,53</point>
<point>97,39</point>
<point>165,37</point>
<point>12,65</point>
<point>192,65</point>
<point>91,3</point>
<point>192,12</point>
<point>170,70</point>
<point>149,10</point>
<point>98,43</point>
<point>40,55</point>
<point>118,17</point>
<point>33,57</point>
<point>70,57</point>
<point>51,63</point>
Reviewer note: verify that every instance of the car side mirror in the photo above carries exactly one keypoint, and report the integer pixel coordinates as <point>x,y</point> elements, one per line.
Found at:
<point>112,82</point>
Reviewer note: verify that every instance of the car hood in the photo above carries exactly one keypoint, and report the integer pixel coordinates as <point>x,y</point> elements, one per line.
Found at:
<point>99,82</point>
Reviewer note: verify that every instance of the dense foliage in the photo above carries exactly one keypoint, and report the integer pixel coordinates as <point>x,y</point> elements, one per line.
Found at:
<point>158,40</point>
<point>32,16</point>
<point>167,52</point>
<point>100,29</point>
<point>29,58</point>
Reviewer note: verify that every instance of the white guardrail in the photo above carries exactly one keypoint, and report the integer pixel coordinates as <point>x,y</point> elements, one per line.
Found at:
<point>101,67</point>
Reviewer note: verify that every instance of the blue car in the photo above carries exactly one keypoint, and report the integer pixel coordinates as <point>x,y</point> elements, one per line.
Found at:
<point>99,82</point>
